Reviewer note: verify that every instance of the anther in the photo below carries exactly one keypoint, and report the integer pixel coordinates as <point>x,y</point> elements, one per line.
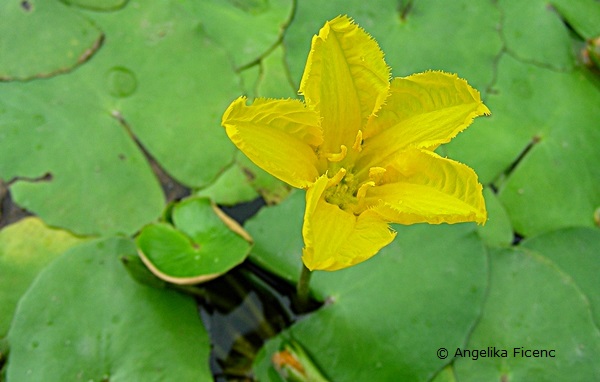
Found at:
<point>339,156</point>
<point>337,178</point>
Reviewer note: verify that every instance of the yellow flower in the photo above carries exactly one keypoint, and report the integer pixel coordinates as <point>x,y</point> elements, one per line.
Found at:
<point>362,146</point>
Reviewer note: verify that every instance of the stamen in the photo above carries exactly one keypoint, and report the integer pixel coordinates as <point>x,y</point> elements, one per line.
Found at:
<point>339,156</point>
<point>362,191</point>
<point>337,178</point>
<point>360,197</point>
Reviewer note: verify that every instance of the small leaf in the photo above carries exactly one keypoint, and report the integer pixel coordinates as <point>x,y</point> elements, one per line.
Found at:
<point>203,243</point>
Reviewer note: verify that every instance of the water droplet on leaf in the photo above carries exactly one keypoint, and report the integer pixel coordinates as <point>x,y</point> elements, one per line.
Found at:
<point>121,82</point>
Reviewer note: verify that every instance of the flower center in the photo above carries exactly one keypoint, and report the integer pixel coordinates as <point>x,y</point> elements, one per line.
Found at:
<point>343,194</point>
<point>346,189</point>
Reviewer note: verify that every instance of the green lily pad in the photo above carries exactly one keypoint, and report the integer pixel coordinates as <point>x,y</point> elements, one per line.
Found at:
<point>86,319</point>
<point>270,188</point>
<point>246,28</point>
<point>43,38</point>
<point>169,82</point>
<point>82,171</point>
<point>250,77</point>
<point>575,250</point>
<point>230,188</point>
<point>497,232</point>
<point>532,305</point>
<point>274,81</point>
<point>202,243</point>
<point>555,183</point>
<point>534,32</point>
<point>582,15</point>
<point>383,319</point>
<point>277,234</point>
<point>445,375</point>
<point>26,248</point>
<point>244,181</point>
<point>410,34</point>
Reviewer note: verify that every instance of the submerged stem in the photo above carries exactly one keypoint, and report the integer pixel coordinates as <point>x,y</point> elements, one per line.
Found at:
<point>302,287</point>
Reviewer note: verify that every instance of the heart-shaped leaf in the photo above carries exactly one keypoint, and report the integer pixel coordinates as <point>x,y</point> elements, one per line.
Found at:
<point>202,243</point>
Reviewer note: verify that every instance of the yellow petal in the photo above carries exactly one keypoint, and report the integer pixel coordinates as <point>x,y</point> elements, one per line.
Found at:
<point>345,80</point>
<point>336,239</point>
<point>280,136</point>
<point>420,186</point>
<point>423,110</point>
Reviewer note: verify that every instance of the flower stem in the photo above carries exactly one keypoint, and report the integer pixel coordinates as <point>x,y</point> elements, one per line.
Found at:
<point>302,288</point>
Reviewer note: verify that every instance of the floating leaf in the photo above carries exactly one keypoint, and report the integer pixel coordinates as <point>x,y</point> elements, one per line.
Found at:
<point>26,248</point>
<point>270,188</point>
<point>244,181</point>
<point>101,325</point>
<point>445,375</point>
<point>43,38</point>
<point>497,232</point>
<point>231,187</point>
<point>582,15</point>
<point>532,305</point>
<point>82,171</point>
<point>246,28</point>
<point>274,81</point>
<point>534,32</point>
<point>575,250</point>
<point>277,234</point>
<point>202,243</point>
<point>169,83</point>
